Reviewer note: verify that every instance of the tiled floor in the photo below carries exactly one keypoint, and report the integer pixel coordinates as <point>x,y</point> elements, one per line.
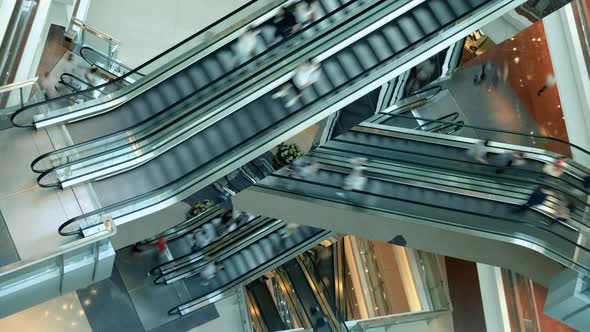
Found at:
<point>32,214</point>
<point>527,58</point>
<point>61,314</point>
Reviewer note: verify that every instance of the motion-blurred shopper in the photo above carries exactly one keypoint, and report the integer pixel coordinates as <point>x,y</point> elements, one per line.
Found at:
<point>537,197</point>
<point>246,45</point>
<point>305,12</point>
<point>285,23</point>
<point>199,240</point>
<point>479,151</point>
<point>305,75</point>
<point>288,230</point>
<point>509,159</point>
<point>318,320</point>
<point>549,82</point>
<point>209,272</point>
<point>556,168</point>
<point>564,211</point>
<point>356,179</point>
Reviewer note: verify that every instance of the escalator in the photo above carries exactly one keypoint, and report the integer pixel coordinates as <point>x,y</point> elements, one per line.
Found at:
<point>309,296</point>
<point>171,126</point>
<point>201,73</point>
<point>349,71</point>
<point>242,262</point>
<point>260,297</point>
<point>428,181</point>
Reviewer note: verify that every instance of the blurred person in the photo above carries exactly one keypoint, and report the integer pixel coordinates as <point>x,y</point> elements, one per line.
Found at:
<point>563,212</point>
<point>537,197</point>
<point>199,240</point>
<point>509,159</point>
<point>549,82</point>
<point>357,179</point>
<point>285,23</point>
<point>479,151</point>
<point>246,45</point>
<point>304,76</point>
<point>161,247</point>
<point>556,168</point>
<point>288,230</point>
<point>74,66</point>
<point>305,12</point>
<point>209,272</point>
<point>49,86</point>
<point>301,168</point>
<point>318,320</point>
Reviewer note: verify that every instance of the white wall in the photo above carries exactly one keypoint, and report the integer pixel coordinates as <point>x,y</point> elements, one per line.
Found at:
<point>6,8</point>
<point>148,27</point>
<point>571,74</point>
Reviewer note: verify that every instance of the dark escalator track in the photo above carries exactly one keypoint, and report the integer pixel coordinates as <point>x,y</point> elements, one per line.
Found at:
<point>260,296</point>
<point>308,296</point>
<point>248,263</point>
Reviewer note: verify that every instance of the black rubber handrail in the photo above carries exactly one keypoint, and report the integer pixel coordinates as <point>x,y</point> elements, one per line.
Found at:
<point>251,139</point>
<point>219,79</point>
<point>453,116</point>
<point>136,70</point>
<point>504,131</point>
<point>107,58</point>
<point>470,171</point>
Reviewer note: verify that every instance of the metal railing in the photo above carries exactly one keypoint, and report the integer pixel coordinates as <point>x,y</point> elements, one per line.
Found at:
<point>18,277</point>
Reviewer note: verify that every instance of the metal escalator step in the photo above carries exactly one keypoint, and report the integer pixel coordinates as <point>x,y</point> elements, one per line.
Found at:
<point>410,28</point>
<point>349,63</point>
<point>249,259</point>
<point>427,22</point>
<point>197,76</point>
<point>459,7</point>
<point>395,38</point>
<point>226,59</point>
<point>367,56</point>
<point>333,70</point>
<point>441,10</point>
<point>213,67</point>
<point>379,46</point>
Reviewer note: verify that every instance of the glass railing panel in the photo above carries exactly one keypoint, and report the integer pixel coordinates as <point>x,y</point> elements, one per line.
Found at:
<point>17,95</point>
<point>160,64</point>
<point>64,268</point>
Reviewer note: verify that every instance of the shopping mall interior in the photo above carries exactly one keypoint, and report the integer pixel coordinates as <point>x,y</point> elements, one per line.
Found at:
<point>295,165</point>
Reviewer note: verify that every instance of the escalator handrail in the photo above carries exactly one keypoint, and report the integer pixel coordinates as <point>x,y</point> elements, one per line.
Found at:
<point>453,116</point>
<point>217,244</point>
<point>171,233</point>
<point>508,189</point>
<point>100,54</point>
<point>221,251</point>
<point>320,234</point>
<point>514,221</point>
<point>536,173</point>
<point>219,79</point>
<point>140,67</point>
<point>504,131</point>
<point>320,100</point>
